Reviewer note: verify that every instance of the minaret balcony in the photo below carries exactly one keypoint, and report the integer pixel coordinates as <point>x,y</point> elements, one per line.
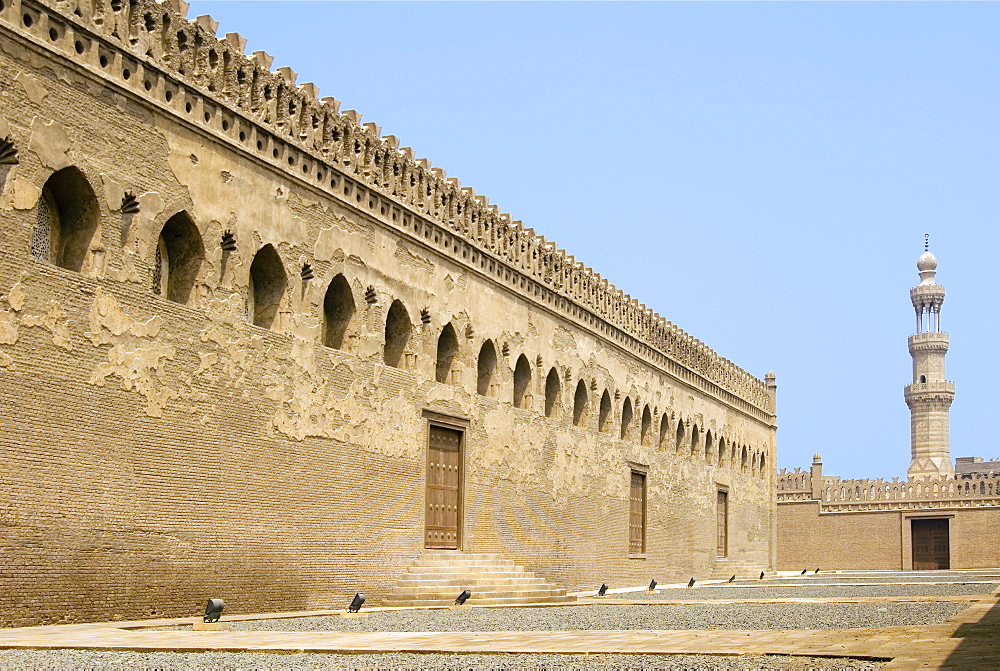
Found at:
<point>929,391</point>
<point>930,341</point>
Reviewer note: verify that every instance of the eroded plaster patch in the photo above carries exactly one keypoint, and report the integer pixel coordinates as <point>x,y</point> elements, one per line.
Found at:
<point>135,356</point>
<point>248,190</point>
<point>32,87</point>
<point>54,321</point>
<point>23,195</point>
<point>50,143</point>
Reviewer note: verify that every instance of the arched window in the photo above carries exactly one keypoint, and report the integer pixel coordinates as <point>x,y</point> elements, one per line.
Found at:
<point>486,380</point>
<point>178,258</point>
<point>266,287</point>
<point>580,404</point>
<point>552,390</point>
<point>522,378</point>
<point>626,417</point>
<point>722,450</point>
<point>709,445</point>
<point>664,429</point>
<point>743,461</point>
<point>447,349</point>
<point>338,311</point>
<point>397,335</point>
<point>644,426</point>
<point>695,439</point>
<point>604,412</point>
<point>679,437</point>
<point>67,218</point>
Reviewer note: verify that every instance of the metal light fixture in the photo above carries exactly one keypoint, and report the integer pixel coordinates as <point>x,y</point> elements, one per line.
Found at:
<point>213,610</point>
<point>604,588</point>
<point>356,603</point>
<point>652,585</point>
<point>732,578</point>
<point>463,597</point>
<point>691,582</point>
<point>803,572</point>
<point>761,576</point>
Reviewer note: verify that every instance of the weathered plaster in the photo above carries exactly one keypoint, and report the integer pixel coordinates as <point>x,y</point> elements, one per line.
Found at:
<point>50,143</point>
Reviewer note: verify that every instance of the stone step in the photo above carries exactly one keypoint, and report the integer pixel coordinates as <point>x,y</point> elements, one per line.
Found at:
<point>444,590</point>
<point>472,580</point>
<point>480,563</point>
<point>486,601</point>
<point>419,571</point>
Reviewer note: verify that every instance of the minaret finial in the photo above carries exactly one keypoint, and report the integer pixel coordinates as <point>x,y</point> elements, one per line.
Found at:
<point>927,242</point>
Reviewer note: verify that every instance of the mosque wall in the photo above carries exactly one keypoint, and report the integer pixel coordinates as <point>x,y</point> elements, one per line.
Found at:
<point>230,315</point>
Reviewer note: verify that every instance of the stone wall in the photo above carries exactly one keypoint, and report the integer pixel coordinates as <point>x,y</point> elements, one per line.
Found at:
<point>865,524</point>
<point>189,409</point>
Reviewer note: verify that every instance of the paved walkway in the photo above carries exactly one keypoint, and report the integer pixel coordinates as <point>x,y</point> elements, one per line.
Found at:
<point>969,640</point>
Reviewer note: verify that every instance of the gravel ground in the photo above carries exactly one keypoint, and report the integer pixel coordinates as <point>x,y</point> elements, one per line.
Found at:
<point>569,618</point>
<point>82,659</point>
<point>854,580</point>
<point>808,592</point>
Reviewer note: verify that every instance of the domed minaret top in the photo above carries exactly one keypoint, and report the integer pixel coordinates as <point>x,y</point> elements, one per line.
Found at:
<point>927,265</point>
<point>928,296</point>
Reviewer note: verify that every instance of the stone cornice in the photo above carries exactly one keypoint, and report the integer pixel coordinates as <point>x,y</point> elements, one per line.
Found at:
<point>153,52</point>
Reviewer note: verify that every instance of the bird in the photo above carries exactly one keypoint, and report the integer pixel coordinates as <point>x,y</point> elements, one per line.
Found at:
<point>732,579</point>
<point>761,576</point>
<point>691,582</point>
<point>803,572</point>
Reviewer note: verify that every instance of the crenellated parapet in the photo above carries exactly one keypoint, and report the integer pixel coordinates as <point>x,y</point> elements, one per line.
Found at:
<point>151,50</point>
<point>840,495</point>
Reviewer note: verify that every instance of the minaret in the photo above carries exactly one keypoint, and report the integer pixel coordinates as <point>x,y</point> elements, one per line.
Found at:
<point>929,396</point>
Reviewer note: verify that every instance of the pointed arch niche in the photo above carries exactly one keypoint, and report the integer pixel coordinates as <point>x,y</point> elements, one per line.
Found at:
<point>338,314</point>
<point>447,350</point>
<point>486,367</point>
<point>67,219</point>
<point>522,380</point>
<point>178,259</point>
<point>266,288</point>
<point>398,329</point>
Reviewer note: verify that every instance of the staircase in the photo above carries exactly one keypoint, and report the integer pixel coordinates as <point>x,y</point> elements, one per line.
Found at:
<point>742,569</point>
<point>436,578</point>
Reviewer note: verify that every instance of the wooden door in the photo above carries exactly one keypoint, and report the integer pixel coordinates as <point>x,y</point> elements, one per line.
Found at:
<point>722,523</point>
<point>444,488</point>
<point>931,548</point>
<point>637,514</point>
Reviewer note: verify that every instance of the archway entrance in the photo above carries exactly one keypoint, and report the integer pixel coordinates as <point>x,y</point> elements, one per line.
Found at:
<point>931,548</point>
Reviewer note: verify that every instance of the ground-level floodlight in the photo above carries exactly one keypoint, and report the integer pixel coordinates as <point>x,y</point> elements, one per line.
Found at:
<point>732,578</point>
<point>604,588</point>
<point>213,610</point>
<point>816,571</point>
<point>652,585</point>
<point>691,582</point>
<point>803,571</point>
<point>356,603</point>
<point>761,576</point>
<point>463,597</point>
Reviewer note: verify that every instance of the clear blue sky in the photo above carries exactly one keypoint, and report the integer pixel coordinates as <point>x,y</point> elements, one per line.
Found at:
<point>760,174</point>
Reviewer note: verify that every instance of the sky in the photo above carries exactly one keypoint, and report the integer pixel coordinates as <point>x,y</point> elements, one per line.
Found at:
<point>760,174</point>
